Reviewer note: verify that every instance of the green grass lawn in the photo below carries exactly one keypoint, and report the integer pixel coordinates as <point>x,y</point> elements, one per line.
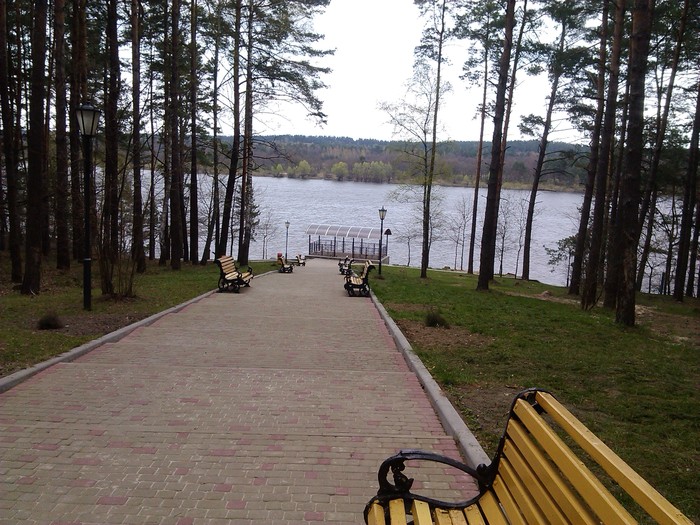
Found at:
<point>638,389</point>
<point>23,344</point>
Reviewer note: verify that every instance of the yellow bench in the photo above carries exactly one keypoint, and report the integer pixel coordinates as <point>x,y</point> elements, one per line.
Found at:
<point>541,474</point>
<point>359,284</point>
<point>283,266</point>
<point>230,277</point>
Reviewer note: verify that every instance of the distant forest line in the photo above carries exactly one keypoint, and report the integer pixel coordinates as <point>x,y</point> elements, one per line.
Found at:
<point>381,161</point>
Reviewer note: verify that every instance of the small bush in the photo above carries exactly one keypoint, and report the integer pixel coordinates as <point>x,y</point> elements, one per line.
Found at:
<point>50,322</point>
<point>434,319</point>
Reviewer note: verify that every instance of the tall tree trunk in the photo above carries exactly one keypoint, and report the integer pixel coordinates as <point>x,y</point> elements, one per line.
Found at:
<point>646,248</point>
<point>662,123</point>
<point>214,227</point>
<point>642,17</point>
<point>47,180</point>
<point>36,143</point>
<point>137,249</point>
<point>602,168</point>
<point>10,146</point>
<point>78,92</point>
<point>648,201</point>
<point>176,160</point>
<point>693,256</point>
<point>152,186</point>
<point>544,141</point>
<point>246,176</point>
<point>109,246</point>
<point>167,145</point>
<point>236,146</point>
<point>488,236</point>
<point>585,216</point>
<point>194,195</point>
<point>425,253</point>
<point>510,95</point>
<point>479,156</point>
<point>689,203</point>
<point>613,270</point>
<point>63,251</point>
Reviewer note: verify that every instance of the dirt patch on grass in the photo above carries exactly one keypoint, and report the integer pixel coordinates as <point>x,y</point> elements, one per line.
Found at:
<point>443,338</point>
<point>677,328</point>
<point>97,323</point>
<point>483,407</point>
<point>485,410</point>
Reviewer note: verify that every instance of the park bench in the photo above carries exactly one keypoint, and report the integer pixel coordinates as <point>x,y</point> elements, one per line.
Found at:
<point>283,266</point>
<point>230,276</point>
<point>345,266</point>
<point>543,472</point>
<point>359,284</point>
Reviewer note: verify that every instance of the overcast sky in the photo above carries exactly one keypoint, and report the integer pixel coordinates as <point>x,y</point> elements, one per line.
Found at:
<point>374,42</point>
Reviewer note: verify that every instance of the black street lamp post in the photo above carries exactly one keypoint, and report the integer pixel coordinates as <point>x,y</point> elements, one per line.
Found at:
<point>286,242</point>
<point>382,214</point>
<point>88,118</point>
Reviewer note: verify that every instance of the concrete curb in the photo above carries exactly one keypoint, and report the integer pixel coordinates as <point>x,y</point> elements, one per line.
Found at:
<point>472,451</point>
<point>8,382</point>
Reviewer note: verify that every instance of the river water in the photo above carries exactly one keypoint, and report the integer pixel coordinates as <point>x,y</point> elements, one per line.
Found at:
<point>306,202</point>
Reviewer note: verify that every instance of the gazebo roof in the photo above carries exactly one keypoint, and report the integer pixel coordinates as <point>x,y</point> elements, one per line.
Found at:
<point>353,232</point>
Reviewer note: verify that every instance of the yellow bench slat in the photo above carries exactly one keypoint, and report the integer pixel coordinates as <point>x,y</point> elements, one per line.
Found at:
<point>552,481</point>
<point>505,498</point>
<point>473,515</point>
<point>421,513</point>
<point>518,490</point>
<point>605,506</point>
<point>539,494</point>
<point>397,512</point>
<point>442,517</point>
<point>643,493</point>
<point>457,517</point>
<point>491,509</point>
<point>375,516</point>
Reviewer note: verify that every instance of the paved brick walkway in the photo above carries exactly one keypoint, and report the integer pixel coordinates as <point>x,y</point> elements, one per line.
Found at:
<point>275,405</point>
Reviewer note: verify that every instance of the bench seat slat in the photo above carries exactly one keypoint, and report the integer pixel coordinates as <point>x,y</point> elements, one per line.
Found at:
<point>473,515</point>
<point>505,498</point>
<point>457,517</point>
<point>491,509</point>
<point>375,516</point>
<point>397,511</point>
<point>551,480</point>
<point>442,517</point>
<point>517,488</point>
<point>538,493</point>
<point>643,493</point>
<point>605,506</point>
<point>421,513</point>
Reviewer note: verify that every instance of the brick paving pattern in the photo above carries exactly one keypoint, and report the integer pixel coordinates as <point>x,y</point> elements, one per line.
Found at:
<point>275,405</point>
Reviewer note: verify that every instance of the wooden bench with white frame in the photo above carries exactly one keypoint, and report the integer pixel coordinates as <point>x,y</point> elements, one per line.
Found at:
<point>539,475</point>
